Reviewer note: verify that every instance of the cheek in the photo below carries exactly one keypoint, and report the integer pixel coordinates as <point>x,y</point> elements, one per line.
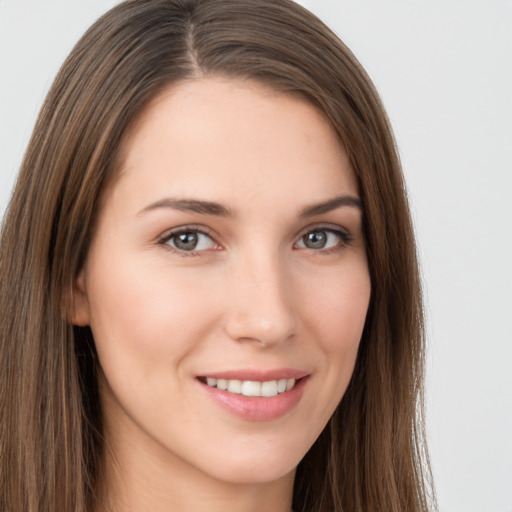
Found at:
<point>334,316</point>
<point>338,305</point>
<point>146,321</point>
<point>142,313</point>
<point>338,314</point>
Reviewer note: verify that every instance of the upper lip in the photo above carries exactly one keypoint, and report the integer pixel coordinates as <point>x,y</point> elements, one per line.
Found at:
<point>258,375</point>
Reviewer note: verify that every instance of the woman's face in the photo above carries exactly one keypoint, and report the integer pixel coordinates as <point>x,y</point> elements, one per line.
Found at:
<point>229,253</point>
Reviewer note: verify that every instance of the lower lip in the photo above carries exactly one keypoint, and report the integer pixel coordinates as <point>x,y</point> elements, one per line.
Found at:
<point>258,408</point>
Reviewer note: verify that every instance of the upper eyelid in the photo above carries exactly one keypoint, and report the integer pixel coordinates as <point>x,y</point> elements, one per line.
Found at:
<point>169,233</point>
<point>335,228</point>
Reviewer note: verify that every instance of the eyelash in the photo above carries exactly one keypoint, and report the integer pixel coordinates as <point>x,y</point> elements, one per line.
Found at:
<point>182,230</point>
<point>345,239</point>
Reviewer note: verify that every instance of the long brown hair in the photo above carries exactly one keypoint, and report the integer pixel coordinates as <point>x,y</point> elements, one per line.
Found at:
<point>371,456</point>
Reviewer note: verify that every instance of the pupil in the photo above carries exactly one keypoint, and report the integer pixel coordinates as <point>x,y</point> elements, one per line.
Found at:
<point>315,240</point>
<point>186,241</point>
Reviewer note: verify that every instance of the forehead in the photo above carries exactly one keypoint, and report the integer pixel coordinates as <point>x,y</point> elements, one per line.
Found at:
<point>229,138</point>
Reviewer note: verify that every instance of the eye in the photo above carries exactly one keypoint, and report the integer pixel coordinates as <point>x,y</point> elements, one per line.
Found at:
<point>189,241</point>
<point>323,238</point>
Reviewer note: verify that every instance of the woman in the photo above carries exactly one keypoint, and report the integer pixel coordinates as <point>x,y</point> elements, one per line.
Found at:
<point>210,295</point>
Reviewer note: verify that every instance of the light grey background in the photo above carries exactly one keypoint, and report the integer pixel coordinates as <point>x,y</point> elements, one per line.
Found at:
<point>444,70</point>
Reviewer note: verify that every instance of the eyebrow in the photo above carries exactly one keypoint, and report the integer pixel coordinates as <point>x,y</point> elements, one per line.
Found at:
<point>331,204</point>
<point>190,205</point>
<point>217,209</point>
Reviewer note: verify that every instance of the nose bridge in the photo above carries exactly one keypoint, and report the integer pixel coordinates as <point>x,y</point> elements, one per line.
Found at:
<point>261,306</point>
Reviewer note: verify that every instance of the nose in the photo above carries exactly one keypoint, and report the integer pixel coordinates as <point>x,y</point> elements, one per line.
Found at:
<point>261,300</point>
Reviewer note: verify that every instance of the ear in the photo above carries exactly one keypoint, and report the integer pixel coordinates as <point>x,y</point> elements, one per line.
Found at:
<point>79,311</point>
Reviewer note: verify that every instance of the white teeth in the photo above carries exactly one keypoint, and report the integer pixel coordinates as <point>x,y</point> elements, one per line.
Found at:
<point>235,386</point>
<point>252,388</point>
<point>269,388</point>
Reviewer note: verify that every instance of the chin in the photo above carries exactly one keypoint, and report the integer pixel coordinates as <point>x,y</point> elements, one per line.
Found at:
<point>256,467</point>
<point>250,474</point>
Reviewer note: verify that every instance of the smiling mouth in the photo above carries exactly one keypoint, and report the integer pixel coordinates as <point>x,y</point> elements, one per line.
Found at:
<point>250,387</point>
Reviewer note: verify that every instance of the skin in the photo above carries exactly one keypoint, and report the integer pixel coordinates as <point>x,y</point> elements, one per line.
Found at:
<point>253,295</point>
